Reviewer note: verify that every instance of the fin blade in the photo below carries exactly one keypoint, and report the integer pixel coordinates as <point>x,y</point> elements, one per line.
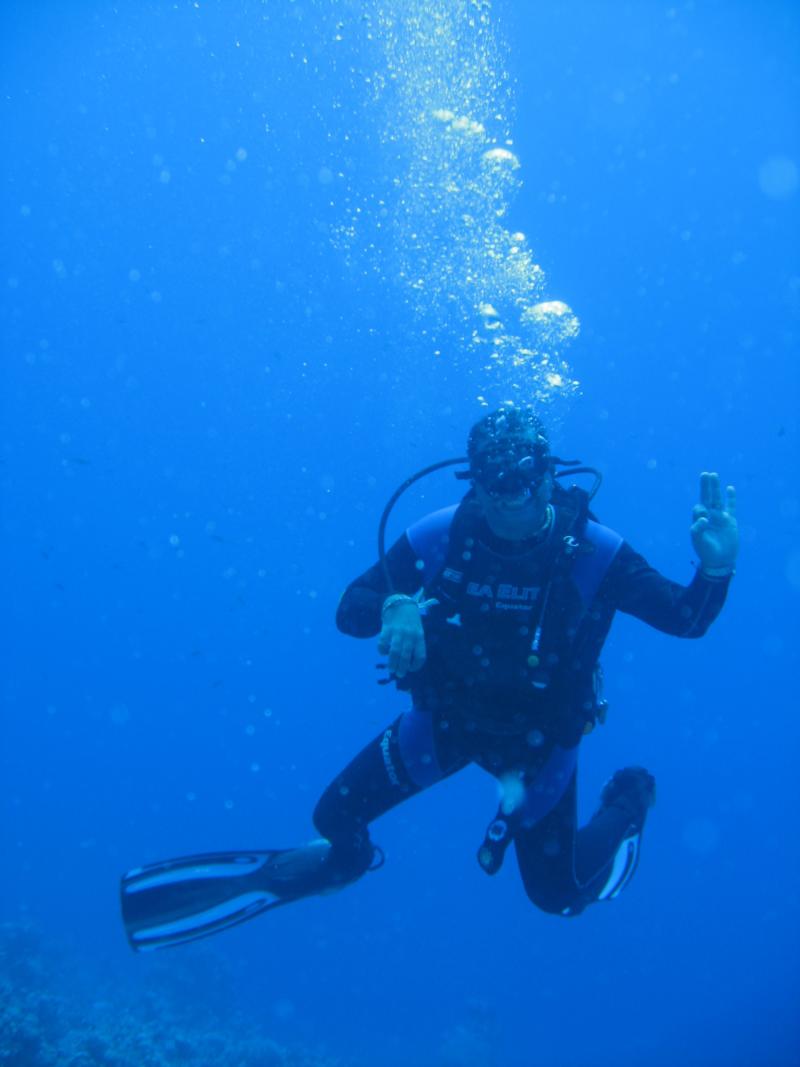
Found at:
<point>201,867</point>
<point>202,924</point>
<point>185,899</point>
<point>179,900</point>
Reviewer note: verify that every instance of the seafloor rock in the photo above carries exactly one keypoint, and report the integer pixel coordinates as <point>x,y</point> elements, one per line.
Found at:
<point>46,1021</point>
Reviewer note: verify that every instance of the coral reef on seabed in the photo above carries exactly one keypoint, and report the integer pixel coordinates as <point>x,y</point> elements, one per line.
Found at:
<point>46,1021</point>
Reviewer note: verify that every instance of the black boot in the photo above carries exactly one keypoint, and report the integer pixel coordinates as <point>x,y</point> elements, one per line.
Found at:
<point>633,789</point>
<point>348,858</point>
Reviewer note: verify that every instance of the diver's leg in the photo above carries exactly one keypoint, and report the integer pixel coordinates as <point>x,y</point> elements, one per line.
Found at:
<point>399,763</point>
<point>607,848</point>
<point>184,899</point>
<point>527,796</point>
<point>545,854</point>
<point>565,869</point>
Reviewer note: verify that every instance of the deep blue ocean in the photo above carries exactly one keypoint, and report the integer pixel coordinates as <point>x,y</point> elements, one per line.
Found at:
<point>250,278</point>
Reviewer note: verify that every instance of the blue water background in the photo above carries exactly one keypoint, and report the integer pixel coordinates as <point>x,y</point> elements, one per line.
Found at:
<point>204,410</point>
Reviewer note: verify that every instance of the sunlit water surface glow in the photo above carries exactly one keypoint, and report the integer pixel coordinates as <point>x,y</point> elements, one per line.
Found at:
<point>436,228</point>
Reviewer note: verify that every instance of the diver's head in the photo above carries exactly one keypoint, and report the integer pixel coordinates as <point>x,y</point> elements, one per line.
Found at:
<point>511,470</point>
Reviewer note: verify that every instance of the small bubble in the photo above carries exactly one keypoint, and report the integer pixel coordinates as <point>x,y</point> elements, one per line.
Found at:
<point>792,569</point>
<point>500,157</point>
<point>282,1009</point>
<point>174,540</point>
<point>701,836</point>
<point>773,645</point>
<point>119,714</point>
<point>778,177</point>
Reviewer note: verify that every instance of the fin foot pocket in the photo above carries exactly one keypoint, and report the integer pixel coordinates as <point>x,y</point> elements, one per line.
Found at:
<point>296,872</point>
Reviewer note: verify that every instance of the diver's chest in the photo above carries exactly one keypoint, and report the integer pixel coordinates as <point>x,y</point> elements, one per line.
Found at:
<point>505,592</point>
<point>490,595</point>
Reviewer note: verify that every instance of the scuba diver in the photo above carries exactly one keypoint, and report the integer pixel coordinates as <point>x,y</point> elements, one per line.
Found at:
<point>491,614</point>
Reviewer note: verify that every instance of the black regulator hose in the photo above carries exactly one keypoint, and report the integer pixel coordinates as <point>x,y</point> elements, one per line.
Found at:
<point>391,503</point>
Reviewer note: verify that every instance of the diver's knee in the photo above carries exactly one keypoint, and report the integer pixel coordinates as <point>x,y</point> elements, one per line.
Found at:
<point>351,858</point>
<point>352,852</point>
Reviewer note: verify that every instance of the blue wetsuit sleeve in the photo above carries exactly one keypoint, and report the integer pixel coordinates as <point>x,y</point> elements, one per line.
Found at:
<point>632,586</point>
<point>412,561</point>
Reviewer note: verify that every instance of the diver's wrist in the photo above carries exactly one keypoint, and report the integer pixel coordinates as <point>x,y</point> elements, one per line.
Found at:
<point>395,599</point>
<point>717,572</point>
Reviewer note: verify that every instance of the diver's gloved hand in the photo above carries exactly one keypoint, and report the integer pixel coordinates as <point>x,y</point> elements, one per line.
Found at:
<point>715,532</point>
<point>402,637</point>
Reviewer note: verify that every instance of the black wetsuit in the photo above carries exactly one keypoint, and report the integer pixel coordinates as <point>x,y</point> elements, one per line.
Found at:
<point>510,683</point>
